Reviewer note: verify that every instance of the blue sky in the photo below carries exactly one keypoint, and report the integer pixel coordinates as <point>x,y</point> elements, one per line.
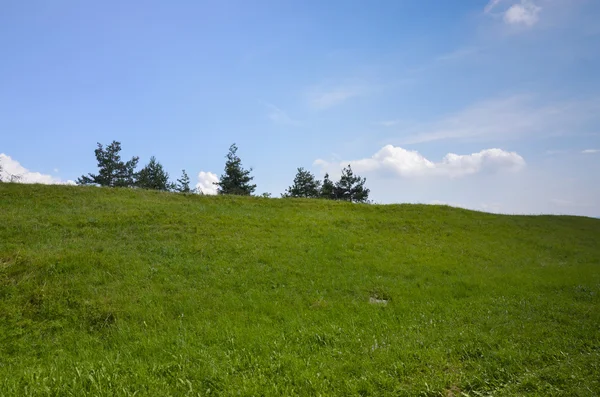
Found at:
<point>490,105</point>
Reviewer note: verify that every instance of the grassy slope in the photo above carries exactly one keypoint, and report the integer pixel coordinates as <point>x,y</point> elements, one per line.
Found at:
<point>109,292</point>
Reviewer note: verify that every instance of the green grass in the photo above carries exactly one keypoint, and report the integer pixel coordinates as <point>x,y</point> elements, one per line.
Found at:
<point>126,292</point>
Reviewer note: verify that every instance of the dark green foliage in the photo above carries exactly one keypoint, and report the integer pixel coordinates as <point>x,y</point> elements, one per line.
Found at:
<point>236,180</point>
<point>327,188</point>
<point>305,185</point>
<point>351,187</point>
<point>112,171</point>
<point>183,183</point>
<point>154,177</point>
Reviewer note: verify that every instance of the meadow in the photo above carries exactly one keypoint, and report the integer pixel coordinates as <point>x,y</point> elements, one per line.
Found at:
<point>122,292</point>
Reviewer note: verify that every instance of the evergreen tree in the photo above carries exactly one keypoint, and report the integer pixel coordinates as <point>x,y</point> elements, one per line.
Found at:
<point>183,183</point>
<point>327,189</point>
<point>305,185</point>
<point>112,171</point>
<point>235,180</point>
<point>153,176</point>
<point>351,187</point>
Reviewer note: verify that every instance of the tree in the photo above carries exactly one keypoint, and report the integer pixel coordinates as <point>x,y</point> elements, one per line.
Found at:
<point>1,173</point>
<point>305,185</point>
<point>183,183</point>
<point>327,189</point>
<point>236,180</point>
<point>153,176</point>
<point>112,171</point>
<point>351,187</point>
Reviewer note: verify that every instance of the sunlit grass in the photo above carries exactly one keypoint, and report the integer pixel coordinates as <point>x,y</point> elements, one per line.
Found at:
<point>123,292</point>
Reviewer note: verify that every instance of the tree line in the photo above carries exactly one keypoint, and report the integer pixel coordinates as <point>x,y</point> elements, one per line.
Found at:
<point>236,180</point>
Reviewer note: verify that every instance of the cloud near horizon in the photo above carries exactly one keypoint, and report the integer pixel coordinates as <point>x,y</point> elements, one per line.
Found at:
<point>206,183</point>
<point>397,161</point>
<point>12,168</point>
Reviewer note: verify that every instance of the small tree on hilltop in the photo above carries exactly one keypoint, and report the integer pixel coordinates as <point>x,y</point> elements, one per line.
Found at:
<point>327,189</point>
<point>112,171</point>
<point>305,185</point>
<point>183,183</point>
<point>153,176</point>
<point>351,187</point>
<point>236,180</point>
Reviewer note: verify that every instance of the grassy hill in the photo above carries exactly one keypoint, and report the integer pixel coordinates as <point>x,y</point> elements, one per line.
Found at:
<point>118,292</point>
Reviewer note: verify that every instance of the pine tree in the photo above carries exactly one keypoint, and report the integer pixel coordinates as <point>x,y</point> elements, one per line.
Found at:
<point>305,185</point>
<point>327,189</point>
<point>351,187</point>
<point>183,183</point>
<point>112,171</point>
<point>153,176</point>
<point>236,180</point>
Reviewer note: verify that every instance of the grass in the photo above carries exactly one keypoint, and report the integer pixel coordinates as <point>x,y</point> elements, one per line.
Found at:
<point>116,292</point>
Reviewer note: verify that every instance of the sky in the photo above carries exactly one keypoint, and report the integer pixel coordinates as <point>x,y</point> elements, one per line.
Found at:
<point>489,105</point>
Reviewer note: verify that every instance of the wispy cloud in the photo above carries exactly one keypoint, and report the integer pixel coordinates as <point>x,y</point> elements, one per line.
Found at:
<point>460,53</point>
<point>397,161</point>
<point>278,116</point>
<point>12,170</point>
<point>388,123</point>
<point>509,118</point>
<point>590,151</point>
<point>326,96</point>
<point>490,6</point>
<point>329,98</point>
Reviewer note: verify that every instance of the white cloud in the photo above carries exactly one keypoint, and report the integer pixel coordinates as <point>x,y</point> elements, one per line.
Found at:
<point>590,151</point>
<point>12,169</point>
<point>523,12</point>
<point>206,182</point>
<point>508,118</point>
<point>398,161</point>
<point>278,116</point>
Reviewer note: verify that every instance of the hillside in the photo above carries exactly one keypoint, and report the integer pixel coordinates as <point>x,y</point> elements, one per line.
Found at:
<point>118,292</point>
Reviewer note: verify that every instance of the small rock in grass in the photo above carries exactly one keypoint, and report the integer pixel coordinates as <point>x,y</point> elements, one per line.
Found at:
<point>376,301</point>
